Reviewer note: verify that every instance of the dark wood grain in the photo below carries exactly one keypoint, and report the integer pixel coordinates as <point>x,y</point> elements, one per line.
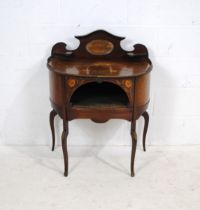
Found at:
<point>52,115</point>
<point>146,123</point>
<point>134,144</point>
<point>99,81</point>
<point>100,68</point>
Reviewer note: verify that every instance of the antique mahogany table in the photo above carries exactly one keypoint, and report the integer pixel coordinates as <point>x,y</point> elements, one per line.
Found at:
<point>99,81</point>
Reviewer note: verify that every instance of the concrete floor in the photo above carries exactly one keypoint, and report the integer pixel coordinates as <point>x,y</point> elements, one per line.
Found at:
<point>167,178</point>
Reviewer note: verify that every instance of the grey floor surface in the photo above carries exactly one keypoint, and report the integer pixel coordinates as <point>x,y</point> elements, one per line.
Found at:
<point>167,178</point>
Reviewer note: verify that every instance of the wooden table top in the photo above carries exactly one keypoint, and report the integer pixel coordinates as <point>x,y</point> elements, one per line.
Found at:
<point>99,68</point>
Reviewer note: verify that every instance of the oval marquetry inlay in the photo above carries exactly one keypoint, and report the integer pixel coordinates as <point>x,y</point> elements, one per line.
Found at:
<point>99,47</point>
<point>128,83</point>
<point>71,82</point>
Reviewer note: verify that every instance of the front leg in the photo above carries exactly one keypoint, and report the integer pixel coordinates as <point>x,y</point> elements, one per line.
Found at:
<point>64,147</point>
<point>146,123</point>
<point>52,115</point>
<point>134,145</point>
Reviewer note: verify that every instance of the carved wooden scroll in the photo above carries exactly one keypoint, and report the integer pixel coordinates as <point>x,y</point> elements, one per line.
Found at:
<point>100,44</point>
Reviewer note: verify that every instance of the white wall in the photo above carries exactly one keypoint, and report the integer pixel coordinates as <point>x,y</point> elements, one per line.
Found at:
<point>169,28</point>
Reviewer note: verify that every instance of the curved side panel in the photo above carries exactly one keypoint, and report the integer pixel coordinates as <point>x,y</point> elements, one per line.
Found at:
<point>55,88</point>
<point>142,94</point>
<point>142,90</point>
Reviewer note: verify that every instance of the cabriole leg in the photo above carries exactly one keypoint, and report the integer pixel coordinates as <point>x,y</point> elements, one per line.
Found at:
<point>64,148</point>
<point>134,144</point>
<point>51,120</point>
<point>146,123</point>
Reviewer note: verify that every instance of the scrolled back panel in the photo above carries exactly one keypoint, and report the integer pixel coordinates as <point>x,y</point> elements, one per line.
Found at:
<point>100,45</point>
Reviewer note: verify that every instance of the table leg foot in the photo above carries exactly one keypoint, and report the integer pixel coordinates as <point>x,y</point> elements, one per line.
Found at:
<point>66,173</point>
<point>132,174</point>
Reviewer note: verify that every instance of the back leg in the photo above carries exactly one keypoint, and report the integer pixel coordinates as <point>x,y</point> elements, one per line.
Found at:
<point>51,120</point>
<point>146,123</point>
<point>134,145</point>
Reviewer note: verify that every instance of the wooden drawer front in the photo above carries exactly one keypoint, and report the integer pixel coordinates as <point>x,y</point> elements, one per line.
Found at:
<point>99,115</point>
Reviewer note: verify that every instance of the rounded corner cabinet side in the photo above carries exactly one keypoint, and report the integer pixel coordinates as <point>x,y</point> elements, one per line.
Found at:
<point>142,93</point>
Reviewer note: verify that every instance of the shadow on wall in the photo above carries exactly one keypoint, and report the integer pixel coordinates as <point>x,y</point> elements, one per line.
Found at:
<point>160,79</point>
<point>26,121</point>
